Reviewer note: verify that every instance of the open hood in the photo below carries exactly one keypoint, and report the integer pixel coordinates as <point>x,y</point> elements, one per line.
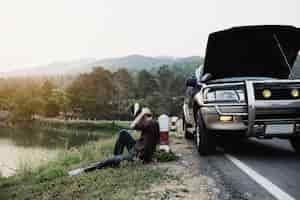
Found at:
<point>252,51</point>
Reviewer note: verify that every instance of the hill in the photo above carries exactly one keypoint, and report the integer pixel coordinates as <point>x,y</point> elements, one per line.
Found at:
<point>131,62</point>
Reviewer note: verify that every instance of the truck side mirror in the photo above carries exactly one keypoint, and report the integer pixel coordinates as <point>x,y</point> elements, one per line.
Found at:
<point>191,82</point>
<point>206,77</point>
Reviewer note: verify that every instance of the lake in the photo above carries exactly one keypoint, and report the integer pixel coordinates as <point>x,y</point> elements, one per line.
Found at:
<point>23,145</point>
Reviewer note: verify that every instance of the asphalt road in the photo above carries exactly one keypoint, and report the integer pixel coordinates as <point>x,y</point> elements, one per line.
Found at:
<point>273,159</point>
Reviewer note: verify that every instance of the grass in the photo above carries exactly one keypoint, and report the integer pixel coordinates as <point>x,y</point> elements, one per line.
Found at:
<point>101,128</point>
<point>50,181</point>
<point>100,125</point>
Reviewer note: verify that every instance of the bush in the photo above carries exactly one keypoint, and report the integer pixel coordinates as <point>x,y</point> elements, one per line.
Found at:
<point>163,156</point>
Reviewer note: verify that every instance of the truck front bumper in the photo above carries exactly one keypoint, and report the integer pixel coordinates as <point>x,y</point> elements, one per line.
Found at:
<point>212,121</point>
<point>253,117</point>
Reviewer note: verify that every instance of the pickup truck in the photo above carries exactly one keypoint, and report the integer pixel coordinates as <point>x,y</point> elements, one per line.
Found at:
<point>246,87</point>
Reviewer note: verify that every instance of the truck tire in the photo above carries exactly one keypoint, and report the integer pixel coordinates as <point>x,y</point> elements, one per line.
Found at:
<point>295,142</point>
<point>188,135</point>
<point>205,139</point>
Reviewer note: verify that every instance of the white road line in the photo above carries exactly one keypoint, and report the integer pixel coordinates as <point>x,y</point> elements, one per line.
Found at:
<point>262,181</point>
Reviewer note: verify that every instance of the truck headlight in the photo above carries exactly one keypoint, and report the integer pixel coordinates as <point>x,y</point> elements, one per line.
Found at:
<point>295,93</point>
<point>225,96</point>
<point>266,93</point>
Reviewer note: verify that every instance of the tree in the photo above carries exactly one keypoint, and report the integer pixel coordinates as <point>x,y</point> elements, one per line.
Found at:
<point>50,108</point>
<point>47,88</point>
<point>124,91</point>
<point>165,77</point>
<point>60,99</point>
<point>93,93</point>
<point>146,84</point>
<point>25,103</point>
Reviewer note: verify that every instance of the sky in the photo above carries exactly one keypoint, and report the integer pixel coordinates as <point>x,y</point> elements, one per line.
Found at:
<point>36,32</point>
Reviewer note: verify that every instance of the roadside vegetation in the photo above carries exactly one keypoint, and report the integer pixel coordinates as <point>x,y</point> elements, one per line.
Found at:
<point>90,103</point>
<point>99,127</point>
<point>50,180</point>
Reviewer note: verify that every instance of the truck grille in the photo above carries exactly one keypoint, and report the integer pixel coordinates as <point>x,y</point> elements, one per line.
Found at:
<point>276,113</point>
<point>279,91</point>
<point>277,116</point>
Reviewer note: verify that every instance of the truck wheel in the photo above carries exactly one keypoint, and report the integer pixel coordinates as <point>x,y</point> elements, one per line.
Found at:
<point>188,135</point>
<point>205,139</point>
<point>295,142</point>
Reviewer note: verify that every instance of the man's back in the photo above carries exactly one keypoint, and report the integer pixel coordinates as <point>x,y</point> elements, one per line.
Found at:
<point>146,144</point>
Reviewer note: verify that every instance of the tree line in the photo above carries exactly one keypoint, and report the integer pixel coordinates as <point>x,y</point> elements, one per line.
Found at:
<point>100,94</point>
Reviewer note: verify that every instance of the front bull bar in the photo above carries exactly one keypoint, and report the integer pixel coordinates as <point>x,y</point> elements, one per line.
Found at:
<point>250,104</point>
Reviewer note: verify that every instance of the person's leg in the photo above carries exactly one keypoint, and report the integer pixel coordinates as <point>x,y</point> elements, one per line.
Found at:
<point>124,140</point>
<point>112,162</point>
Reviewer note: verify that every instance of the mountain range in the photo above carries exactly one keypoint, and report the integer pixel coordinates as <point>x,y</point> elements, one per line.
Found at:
<point>131,63</point>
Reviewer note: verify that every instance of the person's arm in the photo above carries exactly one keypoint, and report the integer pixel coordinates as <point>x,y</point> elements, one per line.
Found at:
<point>137,121</point>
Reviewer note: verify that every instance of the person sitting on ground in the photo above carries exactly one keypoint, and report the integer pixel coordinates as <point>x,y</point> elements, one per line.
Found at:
<point>145,146</point>
<point>142,148</point>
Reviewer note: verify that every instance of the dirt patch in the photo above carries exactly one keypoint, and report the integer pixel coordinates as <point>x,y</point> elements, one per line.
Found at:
<point>189,183</point>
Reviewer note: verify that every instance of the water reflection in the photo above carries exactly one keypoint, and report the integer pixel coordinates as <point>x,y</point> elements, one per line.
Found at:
<point>34,146</point>
<point>33,137</point>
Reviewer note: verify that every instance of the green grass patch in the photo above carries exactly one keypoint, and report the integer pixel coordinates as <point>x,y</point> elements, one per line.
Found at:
<point>78,125</point>
<point>50,181</point>
<point>163,156</point>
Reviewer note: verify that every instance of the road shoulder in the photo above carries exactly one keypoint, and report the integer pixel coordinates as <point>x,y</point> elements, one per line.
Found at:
<point>189,182</point>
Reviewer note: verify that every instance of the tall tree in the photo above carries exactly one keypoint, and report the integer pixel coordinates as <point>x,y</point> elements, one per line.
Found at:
<point>146,84</point>
<point>51,107</point>
<point>124,92</point>
<point>92,93</point>
<point>165,77</point>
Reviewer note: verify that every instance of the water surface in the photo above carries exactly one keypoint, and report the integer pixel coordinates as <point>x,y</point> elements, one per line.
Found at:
<point>34,146</point>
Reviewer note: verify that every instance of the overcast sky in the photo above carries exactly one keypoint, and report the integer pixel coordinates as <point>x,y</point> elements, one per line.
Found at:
<point>34,32</point>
